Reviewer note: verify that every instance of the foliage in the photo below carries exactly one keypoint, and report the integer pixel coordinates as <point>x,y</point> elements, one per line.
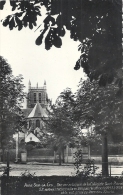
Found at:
<point>60,122</point>
<point>26,173</point>
<point>89,169</point>
<point>30,146</point>
<point>99,107</point>
<point>11,97</point>
<point>96,24</point>
<point>60,117</point>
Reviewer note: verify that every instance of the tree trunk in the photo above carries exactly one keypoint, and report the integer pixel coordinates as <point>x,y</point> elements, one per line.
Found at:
<point>59,156</point>
<point>67,152</point>
<point>0,118</point>
<point>54,156</point>
<point>104,155</point>
<point>0,142</point>
<point>89,155</point>
<point>63,154</point>
<point>3,155</point>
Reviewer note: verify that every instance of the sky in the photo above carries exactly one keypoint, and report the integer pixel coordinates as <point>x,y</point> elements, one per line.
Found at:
<point>36,64</point>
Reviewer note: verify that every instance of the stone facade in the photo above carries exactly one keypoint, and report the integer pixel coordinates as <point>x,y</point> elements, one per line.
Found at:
<point>37,94</point>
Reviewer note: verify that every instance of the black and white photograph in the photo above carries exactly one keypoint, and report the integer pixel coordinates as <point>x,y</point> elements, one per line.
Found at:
<point>61,97</point>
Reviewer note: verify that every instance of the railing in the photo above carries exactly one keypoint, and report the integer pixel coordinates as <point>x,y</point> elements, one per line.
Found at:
<point>110,171</point>
<point>37,87</point>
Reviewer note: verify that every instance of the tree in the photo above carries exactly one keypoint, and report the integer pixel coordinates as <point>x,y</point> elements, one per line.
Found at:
<point>101,108</point>
<point>60,122</point>
<point>96,24</point>
<point>11,97</point>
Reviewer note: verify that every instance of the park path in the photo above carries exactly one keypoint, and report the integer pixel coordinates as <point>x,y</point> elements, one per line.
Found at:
<point>50,169</point>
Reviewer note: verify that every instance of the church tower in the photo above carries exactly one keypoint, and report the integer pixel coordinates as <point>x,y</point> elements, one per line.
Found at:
<point>37,94</point>
<point>29,85</point>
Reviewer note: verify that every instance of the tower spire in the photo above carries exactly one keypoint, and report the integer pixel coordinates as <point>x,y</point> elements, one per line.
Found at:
<point>44,82</point>
<point>29,84</point>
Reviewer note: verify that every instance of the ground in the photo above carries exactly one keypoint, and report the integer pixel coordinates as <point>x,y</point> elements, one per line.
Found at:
<point>52,169</point>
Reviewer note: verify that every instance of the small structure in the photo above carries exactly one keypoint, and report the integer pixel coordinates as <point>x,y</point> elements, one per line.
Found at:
<point>31,138</point>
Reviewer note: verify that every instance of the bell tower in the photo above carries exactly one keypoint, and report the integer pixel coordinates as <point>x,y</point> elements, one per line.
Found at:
<point>37,94</point>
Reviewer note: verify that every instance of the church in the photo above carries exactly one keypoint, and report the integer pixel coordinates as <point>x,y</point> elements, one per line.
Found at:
<point>36,113</point>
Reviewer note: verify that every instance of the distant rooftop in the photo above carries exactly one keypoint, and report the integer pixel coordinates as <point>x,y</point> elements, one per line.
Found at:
<point>38,111</point>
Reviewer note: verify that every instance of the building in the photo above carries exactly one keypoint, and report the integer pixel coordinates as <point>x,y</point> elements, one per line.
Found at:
<point>36,112</point>
<point>37,94</point>
<point>37,102</point>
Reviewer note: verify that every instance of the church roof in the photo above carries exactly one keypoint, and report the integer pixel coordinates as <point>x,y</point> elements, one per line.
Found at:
<point>27,111</point>
<point>38,111</point>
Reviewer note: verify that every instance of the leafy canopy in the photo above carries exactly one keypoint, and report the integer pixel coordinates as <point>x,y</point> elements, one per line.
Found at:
<point>96,24</point>
<point>60,121</point>
<point>99,107</point>
<point>11,97</point>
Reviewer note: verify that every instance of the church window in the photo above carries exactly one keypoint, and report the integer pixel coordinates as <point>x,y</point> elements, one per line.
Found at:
<point>39,97</point>
<point>43,96</point>
<point>38,123</point>
<point>30,123</point>
<point>34,97</point>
